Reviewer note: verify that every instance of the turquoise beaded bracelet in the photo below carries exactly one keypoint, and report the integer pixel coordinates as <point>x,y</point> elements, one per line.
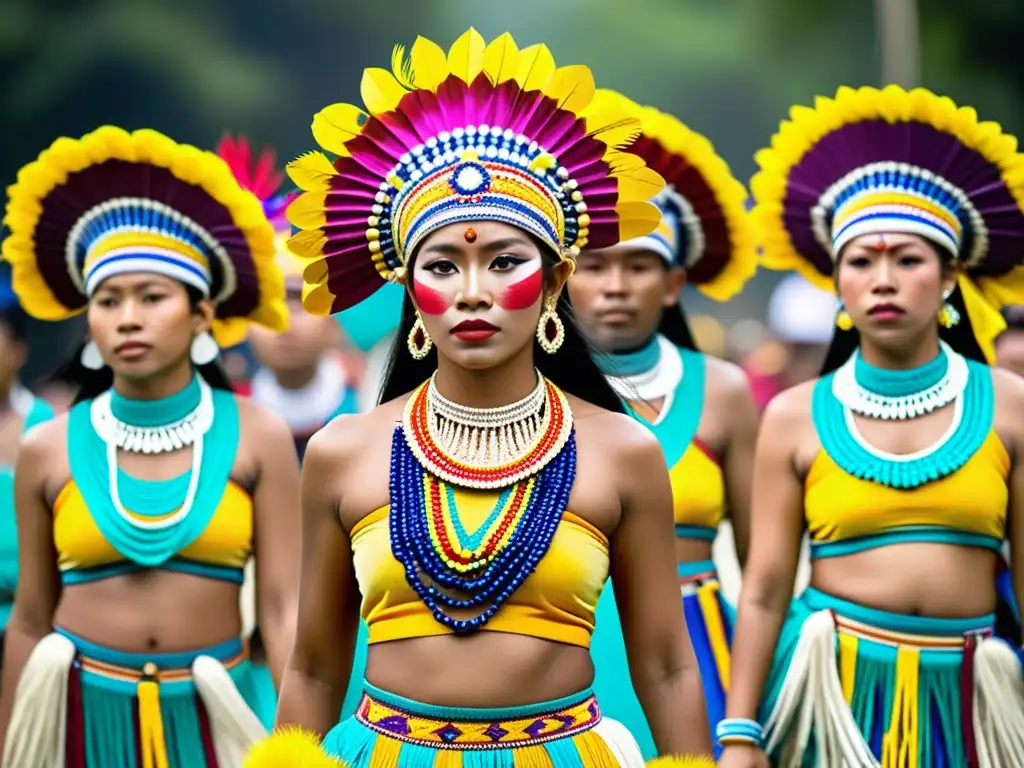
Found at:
<point>739,730</point>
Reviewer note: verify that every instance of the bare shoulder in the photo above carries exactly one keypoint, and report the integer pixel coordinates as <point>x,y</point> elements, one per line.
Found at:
<point>726,377</point>
<point>348,435</point>
<point>790,410</point>
<point>262,423</point>
<point>1009,388</point>
<point>616,433</point>
<point>45,440</point>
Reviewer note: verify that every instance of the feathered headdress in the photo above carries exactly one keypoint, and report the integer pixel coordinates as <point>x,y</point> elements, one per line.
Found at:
<point>486,132</point>
<point>892,160</point>
<point>705,225</point>
<point>115,202</point>
<point>261,176</point>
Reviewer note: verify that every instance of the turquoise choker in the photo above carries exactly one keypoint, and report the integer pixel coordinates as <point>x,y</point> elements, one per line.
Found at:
<point>154,413</point>
<point>631,363</point>
<point>879,393</point>
<point>950,378</point>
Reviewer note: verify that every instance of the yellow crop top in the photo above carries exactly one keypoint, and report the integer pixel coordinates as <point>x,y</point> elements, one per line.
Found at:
<point>845,514</point>
<point>698,492</point>
<point>220,552</point>
<point>556,602</point>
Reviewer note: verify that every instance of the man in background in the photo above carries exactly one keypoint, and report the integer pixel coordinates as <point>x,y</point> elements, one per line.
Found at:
<point>1010,344</point>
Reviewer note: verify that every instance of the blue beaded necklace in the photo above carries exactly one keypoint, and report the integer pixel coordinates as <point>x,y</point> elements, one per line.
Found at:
<point>488,587</point>
<point>973,416</point>
<point>630,363</point>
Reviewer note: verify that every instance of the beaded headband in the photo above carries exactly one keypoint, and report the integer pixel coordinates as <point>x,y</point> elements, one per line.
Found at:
<point>872,161</point>
<point>705,226</point>
<point>484,133</point>
<point>114,202</point>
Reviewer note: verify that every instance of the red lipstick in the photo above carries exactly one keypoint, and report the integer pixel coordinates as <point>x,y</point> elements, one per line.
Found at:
<point>474,331</point>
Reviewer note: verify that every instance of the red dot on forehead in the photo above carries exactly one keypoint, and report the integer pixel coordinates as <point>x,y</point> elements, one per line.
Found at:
<point>470,235</point>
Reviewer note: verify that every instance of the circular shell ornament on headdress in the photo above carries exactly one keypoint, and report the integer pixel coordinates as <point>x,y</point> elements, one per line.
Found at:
<point>487,132</point>
<point>261,176</point>
<point>870,161</point>
<point>115,202</point>
<point>705,226</point>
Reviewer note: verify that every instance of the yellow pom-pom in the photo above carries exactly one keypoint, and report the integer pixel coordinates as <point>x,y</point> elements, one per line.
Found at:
<point>682,761</point>
<point>290,748</point>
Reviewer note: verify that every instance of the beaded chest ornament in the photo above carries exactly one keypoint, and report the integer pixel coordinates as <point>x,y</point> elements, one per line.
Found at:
<point>859,388</point>
<point>527,449</point>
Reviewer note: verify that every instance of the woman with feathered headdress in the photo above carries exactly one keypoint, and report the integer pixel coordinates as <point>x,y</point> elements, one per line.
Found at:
<point>700,408</point>
<point>138,510</point>
<point>473,517</point>
<point>903,461</point>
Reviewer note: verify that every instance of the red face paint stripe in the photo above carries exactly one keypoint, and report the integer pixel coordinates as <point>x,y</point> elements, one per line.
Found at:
<point>523,294</point>
<point>430,301</point>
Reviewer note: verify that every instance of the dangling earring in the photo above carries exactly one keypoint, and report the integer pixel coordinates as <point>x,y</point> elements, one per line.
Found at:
<point>843,320</point>
<point>550,331</point>
<point>204,349</point>
<point>948,315</point>
<point>419,340</point>
<point>91,357</point>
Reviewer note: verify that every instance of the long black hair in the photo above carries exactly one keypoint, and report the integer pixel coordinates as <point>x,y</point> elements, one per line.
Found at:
<point>676,328</point>
<point>91,383</point>
<point>960,337</point>
<point>572,368</point>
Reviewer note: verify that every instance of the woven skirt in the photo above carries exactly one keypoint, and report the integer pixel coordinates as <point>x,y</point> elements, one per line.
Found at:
<point>709,622</point>
<point>389,730</point>
<point>81,705</point>
<point>854,686</point>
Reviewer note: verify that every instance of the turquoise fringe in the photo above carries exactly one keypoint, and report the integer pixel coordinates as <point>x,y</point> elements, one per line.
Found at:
<point>151,547</point>
<point>941,744</point>
<point>109,707</point>
<point>978,411</point>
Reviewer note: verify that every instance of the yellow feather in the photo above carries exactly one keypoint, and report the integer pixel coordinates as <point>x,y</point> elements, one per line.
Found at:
<point>429,63</point>
<point>290,748</point>
<point>641,183</point>
<point>501,59</point>
<point>307,210</point>
<point>682,761</point>
<point>311,172</point>
<point>333,126</point>
<point>401,68</point>
<point>572,87</point>
<point>380,91</point>
<point>466,56</point>
<point>536,66</point>
<point>307,244</point>
<point>637,219</point>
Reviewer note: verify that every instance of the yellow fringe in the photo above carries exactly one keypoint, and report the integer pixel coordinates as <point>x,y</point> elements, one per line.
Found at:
<point>707,598</point>
<point>899,743</point>
<point>699,154</point>
<point>682,761</point>
<point>151,726</point>
<point>426,67</point>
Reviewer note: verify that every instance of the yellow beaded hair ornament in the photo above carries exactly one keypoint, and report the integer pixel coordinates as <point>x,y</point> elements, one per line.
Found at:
<point>419,341</point>
<point>550,330</point>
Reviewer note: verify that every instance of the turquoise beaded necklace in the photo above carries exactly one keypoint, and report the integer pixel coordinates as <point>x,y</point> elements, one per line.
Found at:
<point>972,420</point>
<point>630,363</point>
